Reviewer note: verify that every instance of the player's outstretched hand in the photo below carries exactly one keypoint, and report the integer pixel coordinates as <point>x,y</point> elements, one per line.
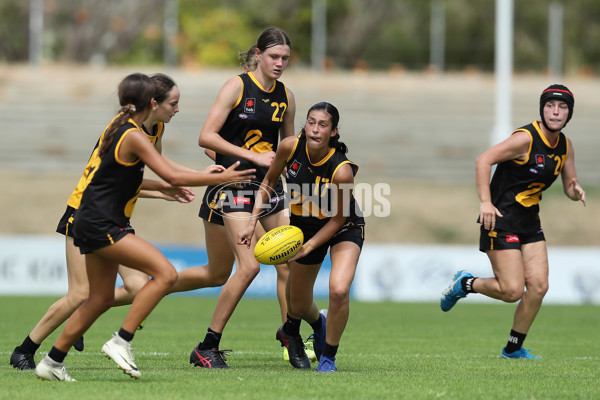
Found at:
<point>214,169</point>
<point>233,175</point>
<point>178,193</point>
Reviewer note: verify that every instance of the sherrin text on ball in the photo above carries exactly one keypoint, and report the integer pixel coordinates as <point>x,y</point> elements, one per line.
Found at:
<point>279,245</point>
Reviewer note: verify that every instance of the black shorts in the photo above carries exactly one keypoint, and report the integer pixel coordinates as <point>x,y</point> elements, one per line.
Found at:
<point>93,236</point>
<point>354,234</point>
<point>65,225</point>
<point>210,215</point>
<point>219,201</point>
<point>505,240</point>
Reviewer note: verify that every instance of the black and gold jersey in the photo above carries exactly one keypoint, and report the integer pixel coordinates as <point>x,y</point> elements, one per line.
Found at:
<point>310,190</point>
<point>254,121</point>
<point>75,198</point>
<point>517,185</point>
<point>111,187</point>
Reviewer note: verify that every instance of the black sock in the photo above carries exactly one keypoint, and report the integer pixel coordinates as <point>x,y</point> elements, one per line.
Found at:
<point>128,336</point>
<point>316,326</point>
<point>467,284</point>
<point>292,326</point>
<point>57,355</point>
<point>515,341</point>
<point>28,347</point>
<point>329,350</point>
<point>211,340</point>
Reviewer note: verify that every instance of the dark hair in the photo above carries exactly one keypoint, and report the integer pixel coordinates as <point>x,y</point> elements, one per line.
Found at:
<point>135,92</point>
<point>557,92</point>
<point>163,85</point>
<point>272,36</point>
<point>335,119</point>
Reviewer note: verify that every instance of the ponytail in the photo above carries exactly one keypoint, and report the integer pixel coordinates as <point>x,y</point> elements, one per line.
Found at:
<point>248,59</point>
<point>339,146</point>
<point>135,93</point>
<point>121,119</point>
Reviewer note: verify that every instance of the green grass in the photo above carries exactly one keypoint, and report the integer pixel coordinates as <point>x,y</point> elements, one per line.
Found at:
<point>389,351</point>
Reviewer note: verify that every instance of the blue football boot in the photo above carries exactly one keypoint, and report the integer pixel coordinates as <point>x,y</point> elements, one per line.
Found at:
<point>454,292</point>
<point>519,354</point>
<point>326,364</point>
<point>319,337</point>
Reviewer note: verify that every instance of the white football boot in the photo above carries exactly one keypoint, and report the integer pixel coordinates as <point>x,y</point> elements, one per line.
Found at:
<point>119,350</point>
<point>50,370</point>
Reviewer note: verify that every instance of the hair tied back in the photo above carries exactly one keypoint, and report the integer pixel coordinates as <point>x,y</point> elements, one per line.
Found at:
<point>128,108</point>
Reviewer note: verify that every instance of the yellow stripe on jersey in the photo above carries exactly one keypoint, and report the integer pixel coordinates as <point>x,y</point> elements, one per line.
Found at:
<point>93,163</point>
<point>119,146</point>
<point>257,83</point>
<point>324,160</point>
<point>343,163</point>
<point>237,102</point>
<point>536,125</point>
<point>528,150</point>
<point>293,149</point>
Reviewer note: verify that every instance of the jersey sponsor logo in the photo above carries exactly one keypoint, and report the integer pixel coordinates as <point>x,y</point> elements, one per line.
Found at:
<point>246,116</point>
<point>294,168</point>
<point>512,239</point>
<point>250,105</point>
<point>539,161</point>
<point>241,200</point>
<point>534,171</point>
<point>265,100</point>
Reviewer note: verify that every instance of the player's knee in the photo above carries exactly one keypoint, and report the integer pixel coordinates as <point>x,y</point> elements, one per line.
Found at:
<point>248,271</point>
<point>166,277</point>
<point>76,296</point>
<point>170,277</point>
<point>339,294</point>
<point>101,302</point>
<point>219,280</point>
<point>538,289</point>
<point>512,295</point>
<point>133,286</point>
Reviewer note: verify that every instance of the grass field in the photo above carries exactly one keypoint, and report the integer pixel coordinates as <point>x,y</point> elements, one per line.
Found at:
<point>389,351</point>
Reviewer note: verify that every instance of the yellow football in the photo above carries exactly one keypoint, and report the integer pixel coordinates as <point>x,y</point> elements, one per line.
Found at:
<point>278,245</point>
